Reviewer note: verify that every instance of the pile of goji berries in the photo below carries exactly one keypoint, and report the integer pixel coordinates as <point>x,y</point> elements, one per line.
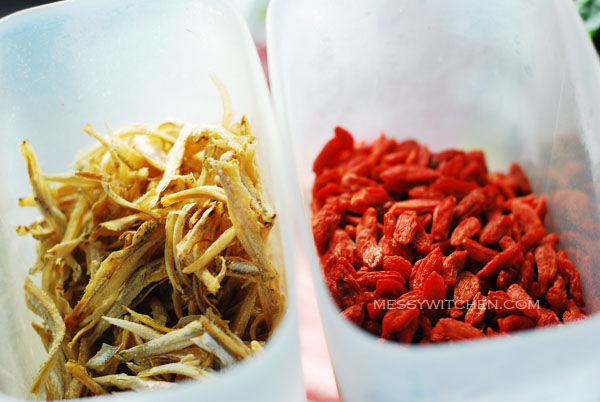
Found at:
<point>427,247</point>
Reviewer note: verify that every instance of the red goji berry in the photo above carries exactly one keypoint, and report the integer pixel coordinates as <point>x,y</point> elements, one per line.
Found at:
<point>454,166</point>
<point>472,204</point>
<point>334,150</point>
<point>368,197</point>
<point>477,310</point>
<point>517,173</point>
<point>424,267</point>
<point>370,279</point>
<point>501,303</point>
<point>406,226</point>
<point>324,224</point>
<point>526,275</point>
<point>532,237</point>
<point>473,171</point>
<point>442,218</point>
<point>506,277</point>
<point>569,272</point>
<point>456,312</point>
<point>557,295</point>
<point>366,239</point>
<point>500,261</point>
<point>466,288</point>
<point>495,229</point>
<point>434,287</point>
<point>524,302</point>
<point>399,264</point>
<point>541,209</point>
<point>525,217</point>
<point>421,242</point>
<point>551,239</point>
<point>514,323</point>
<point>478,252</point>
<point>354,182</point>
<point>424,220</point>
<point>506,242</point>
<point>452,186</point>
<point>390,288</point>
<point>425,192</point>
<point>416,205</point>
<point>395,158</point>
<point>547,317</point>
<point>451,267</point>
<point>407,334</point>
<point>341,245</point>
<point>448,329</point>
<point>343,285</point>
<point>355,313</point>
<point>408,173</point>
<point>466,229</point>
<point>545,259</point>
<point>572,313</point>
<point>396,320</point>
<point>377,308</point>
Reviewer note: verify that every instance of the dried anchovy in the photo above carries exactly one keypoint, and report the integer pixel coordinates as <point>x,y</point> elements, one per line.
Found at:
<point>154,256</point>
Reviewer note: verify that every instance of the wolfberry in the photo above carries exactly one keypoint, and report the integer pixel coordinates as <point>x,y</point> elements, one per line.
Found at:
<point>370,279</point>
<point>557,295</point>
<point>452,265</point>
<point>466,229</point>
<point>434,287</point>
<point>366,239</point>
<point>448,329</point>
<point>398,228</point>
<point>514,323</point>
<point>324,224</point>
<point>408,173</point>
<point>406,226</point>
<point>334,151</point>
<point>396,320</point>
<point>545,259</point>
<point>495,229</point>
<point>424,267</point>
<point>466,288</point>
<point>477,310</point>
<point>368,197</point>
<point>473,204</point>
<point>572,313</point>
<point>442,218</point>
<point>355,313</point>
<point>478,252</point>
<point>421,242</point>
<point>389,287</point>
<point>398,264</point>
<point>415,205</point>
<point>500,261</point>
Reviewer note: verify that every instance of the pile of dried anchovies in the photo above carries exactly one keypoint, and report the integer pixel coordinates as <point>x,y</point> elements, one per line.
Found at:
<point>154,258</point>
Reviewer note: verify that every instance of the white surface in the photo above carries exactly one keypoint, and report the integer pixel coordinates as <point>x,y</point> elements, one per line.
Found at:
<point>119,62</point>
<point>514,78</point>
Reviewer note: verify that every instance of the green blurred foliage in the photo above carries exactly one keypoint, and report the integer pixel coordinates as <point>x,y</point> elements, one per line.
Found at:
<point>590,12</point>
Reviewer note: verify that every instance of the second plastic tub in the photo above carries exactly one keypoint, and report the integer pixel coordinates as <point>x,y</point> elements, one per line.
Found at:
<point>518,79</point>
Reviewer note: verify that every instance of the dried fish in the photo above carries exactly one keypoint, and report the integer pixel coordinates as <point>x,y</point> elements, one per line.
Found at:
<point>124,382</point>
<point>183,369</point>
<point>40,303</point>
<point>80,373</point>
<point>155,257</point>
<point>174,340</point>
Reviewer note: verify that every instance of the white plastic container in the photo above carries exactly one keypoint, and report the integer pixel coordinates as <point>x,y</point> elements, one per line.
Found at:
<point>120,62</point>
<point>518,79</point>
